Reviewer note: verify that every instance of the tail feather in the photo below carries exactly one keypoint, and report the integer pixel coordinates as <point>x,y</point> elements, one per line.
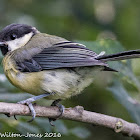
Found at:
<point>120,56</point>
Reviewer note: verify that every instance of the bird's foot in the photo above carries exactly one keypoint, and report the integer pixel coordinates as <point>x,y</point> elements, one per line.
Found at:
<point>29,101</point>
<point>7,114</point>
<point>61,109</point>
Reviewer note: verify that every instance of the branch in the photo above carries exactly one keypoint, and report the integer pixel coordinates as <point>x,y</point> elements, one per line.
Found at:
<point>77,114</point>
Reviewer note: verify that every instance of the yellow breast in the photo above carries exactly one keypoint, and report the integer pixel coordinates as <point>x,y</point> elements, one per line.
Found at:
<point>28,82</point>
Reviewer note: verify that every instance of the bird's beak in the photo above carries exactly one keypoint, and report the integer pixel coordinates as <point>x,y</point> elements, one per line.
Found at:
<point>3,44</point>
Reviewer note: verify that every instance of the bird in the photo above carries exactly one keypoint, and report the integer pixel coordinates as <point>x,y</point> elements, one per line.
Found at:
<point>49,66</point>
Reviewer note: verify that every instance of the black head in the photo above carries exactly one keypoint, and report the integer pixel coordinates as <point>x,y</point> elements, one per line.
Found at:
<point>13,36</point>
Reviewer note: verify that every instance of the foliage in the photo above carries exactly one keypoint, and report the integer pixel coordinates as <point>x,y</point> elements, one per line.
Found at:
<point>125,75</point>
<point>116,87</point>
<point>113,94</point>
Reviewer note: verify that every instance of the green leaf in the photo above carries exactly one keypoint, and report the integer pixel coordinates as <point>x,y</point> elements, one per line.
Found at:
<point>13,97</point>
<point>81,132</point>
<point>61,127</point>
<point>125,74</point>
<point>24,127</point>
<point>123,97</point>
<point>43,124</point>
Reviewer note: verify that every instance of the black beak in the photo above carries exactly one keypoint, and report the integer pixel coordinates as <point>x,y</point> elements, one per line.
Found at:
<point>3,44</point>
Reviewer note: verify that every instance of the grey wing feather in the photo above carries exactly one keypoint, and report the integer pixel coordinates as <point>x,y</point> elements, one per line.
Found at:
<point>65,55</point>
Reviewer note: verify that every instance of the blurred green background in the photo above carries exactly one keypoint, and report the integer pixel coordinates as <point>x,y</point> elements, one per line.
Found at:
<point>97,24</point>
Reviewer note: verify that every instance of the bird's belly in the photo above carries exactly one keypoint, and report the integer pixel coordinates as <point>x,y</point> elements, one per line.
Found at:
<point>28,82</point>
<point>64,83</point>
<point>67,83</point>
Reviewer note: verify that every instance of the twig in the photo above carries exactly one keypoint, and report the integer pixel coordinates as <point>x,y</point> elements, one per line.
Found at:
<point>77,114</point>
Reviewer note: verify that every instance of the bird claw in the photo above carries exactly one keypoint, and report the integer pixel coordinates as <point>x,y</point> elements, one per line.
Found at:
<point>33,113</point>
<point>61,109</point>
<point>15,117</point>
<point>51,120</point>
<point>29,101</point>
<point>8,115</point>
<point>30,105</point>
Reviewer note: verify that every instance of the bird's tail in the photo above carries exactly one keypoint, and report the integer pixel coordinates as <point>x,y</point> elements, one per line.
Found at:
<point>120,56</point>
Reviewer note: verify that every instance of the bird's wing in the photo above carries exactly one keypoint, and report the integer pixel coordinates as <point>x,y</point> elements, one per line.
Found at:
<point>63,55</point>
<point>28,66</point>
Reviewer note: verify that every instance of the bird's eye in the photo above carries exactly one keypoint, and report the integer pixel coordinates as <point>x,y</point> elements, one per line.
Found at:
<point>13,36</point>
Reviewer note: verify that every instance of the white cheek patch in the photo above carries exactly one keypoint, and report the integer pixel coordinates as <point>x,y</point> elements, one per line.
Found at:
<point>19,42</point>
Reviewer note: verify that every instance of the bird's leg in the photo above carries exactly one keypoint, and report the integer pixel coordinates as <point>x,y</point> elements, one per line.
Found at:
<point>30,105</point>
<point>61,109</point>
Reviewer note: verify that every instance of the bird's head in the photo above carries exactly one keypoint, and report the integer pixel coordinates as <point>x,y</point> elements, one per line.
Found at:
<point>15,36</point>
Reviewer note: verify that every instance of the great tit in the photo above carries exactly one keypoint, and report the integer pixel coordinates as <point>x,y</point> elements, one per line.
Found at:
<point>50,66</point>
